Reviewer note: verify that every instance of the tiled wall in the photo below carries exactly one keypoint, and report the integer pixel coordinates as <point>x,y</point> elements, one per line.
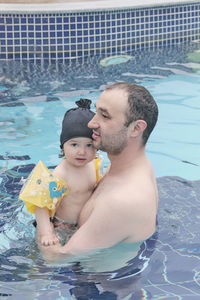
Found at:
<point>69,36</point>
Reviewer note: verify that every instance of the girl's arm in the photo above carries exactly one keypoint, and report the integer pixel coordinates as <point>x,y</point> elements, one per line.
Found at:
<point>45,232</point>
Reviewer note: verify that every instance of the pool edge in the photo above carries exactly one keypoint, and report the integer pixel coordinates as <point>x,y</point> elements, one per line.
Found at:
<point>88,6</point>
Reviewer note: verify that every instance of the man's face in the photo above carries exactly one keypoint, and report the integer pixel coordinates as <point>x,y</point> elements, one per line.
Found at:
<point>109,132</point>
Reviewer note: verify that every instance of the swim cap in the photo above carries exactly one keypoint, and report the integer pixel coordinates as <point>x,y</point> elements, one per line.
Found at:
<point>75,122</point>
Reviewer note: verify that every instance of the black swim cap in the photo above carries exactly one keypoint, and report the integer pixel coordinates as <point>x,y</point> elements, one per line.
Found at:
<point>75,122</point>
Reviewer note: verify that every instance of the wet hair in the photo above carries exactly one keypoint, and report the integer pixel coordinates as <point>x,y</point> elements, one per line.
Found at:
<point>141,106</point>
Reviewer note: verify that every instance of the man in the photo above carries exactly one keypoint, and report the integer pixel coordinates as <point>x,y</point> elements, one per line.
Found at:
<point>123,207</point>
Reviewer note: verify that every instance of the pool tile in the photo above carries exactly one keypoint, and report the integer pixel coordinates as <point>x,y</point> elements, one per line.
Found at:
<point>75,32</point>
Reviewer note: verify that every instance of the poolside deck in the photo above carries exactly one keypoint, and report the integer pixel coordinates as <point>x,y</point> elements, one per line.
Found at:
<point>42,1</point>
<point>60,6</point>
<point>83,4</point>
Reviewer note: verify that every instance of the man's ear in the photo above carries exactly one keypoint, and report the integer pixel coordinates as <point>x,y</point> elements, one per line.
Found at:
<point>137,128</point>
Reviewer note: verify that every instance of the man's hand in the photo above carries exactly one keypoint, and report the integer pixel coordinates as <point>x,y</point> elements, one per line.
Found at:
<point>51,253</point>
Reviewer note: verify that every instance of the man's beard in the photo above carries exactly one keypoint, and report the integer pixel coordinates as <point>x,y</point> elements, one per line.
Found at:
<point>113,143</point>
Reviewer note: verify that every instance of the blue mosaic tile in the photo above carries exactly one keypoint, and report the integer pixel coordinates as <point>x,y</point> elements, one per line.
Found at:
<point>2,35</point>
<point>71,35</point>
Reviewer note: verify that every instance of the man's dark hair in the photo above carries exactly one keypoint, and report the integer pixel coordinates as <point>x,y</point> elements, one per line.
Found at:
<point>142,106</point>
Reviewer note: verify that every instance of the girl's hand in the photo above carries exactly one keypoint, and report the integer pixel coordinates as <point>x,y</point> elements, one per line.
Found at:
<point>48,239</point>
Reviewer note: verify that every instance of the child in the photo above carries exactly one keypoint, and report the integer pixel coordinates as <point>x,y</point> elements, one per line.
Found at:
<point>79,172</point>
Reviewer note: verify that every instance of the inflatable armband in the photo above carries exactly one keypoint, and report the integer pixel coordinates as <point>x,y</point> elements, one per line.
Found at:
<point>43,189</point>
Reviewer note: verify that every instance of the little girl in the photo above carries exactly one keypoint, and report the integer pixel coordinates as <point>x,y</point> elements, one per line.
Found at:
<point>72,181</point>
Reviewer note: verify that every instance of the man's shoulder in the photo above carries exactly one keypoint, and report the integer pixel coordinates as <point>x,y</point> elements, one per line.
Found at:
<point>127,193</point>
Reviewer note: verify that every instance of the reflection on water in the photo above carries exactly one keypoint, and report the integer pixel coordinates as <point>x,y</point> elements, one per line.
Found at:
<point>111,259</point>
<point>107,260</point>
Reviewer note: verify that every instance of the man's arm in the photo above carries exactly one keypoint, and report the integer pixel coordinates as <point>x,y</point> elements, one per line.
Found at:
<point>107,225</point>
<point>130,218</point>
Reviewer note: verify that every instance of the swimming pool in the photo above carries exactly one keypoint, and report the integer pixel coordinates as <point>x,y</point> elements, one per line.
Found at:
<point>48,60</point>
<point>33,100</point>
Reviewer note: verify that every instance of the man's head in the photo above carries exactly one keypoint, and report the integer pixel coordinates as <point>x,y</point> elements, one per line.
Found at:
<point>141,106</point>
<point>123,110</point>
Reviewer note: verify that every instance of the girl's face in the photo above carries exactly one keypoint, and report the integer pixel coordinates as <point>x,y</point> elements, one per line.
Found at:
<point>79,151</point>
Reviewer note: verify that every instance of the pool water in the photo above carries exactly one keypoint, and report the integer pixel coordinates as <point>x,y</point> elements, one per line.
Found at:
<point>33,99</point>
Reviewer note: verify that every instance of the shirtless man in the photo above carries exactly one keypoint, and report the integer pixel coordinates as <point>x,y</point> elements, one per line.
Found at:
<point>123,207</point>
